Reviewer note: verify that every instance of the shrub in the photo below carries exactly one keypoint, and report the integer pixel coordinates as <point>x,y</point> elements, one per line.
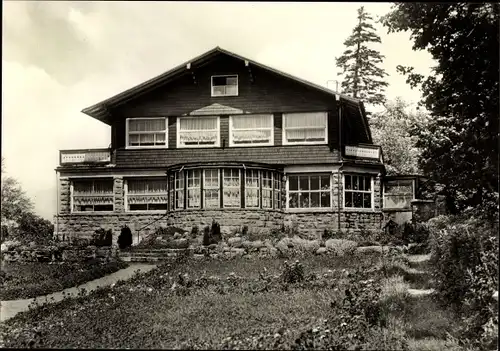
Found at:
<point>206,236</point>
<point>341,247</point>
<point>102,237</point>
<point>292,273</point>
<point>33,228</point>
<point>212,235</point>
<point>244,230</point>
<point>125,238</point>
<point>194,231</point>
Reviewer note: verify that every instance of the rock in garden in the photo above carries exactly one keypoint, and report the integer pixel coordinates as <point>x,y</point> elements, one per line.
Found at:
<point>177,236</point>
<point>321,250</point>
<point>235,242</point>
<point>257,244</point>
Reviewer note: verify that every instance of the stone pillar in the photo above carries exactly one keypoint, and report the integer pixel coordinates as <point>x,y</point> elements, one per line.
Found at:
<point>377,192</point>
<point>64,195</point>
<point>119,194</point>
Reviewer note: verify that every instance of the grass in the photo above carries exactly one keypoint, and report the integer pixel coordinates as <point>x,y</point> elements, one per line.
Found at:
<point>27,280</point>
<point>147,312</point>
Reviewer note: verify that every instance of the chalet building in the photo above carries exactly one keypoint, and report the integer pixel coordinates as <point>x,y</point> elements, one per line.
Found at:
<point>223,137</point>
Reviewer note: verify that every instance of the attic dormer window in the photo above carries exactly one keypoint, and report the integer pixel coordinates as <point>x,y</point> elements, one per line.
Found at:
<point>225,85</point>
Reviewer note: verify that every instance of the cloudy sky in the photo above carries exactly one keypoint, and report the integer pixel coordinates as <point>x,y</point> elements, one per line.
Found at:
<point>60,57</point>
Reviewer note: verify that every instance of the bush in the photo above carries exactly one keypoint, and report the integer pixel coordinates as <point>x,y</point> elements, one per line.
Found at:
<point>212,235</point>
<point>102,237</point>
<point>341,247</point>
<point>32,228</point>
<point>206,236</point>
<point>194,231</point>
<point>125,238</point>
<point>464,259</point>
<point>292,273</point>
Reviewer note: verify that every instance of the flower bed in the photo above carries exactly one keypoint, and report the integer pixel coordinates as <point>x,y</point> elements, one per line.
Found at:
<point>27,280</point>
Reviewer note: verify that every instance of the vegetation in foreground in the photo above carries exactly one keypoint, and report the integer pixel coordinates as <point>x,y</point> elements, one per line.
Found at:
<point>27,280</point>
<point>267,303</point>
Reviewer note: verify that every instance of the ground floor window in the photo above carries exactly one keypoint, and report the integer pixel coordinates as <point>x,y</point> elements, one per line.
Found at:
<point>267,189</point>
<point>358,191</point>
<point>211,188</point>
<point>252,188</point>
<point>309,191</point>
<point>232,187</point>
<point>92,195</point>
<point>193,188</point>
<point>179,190</point>
<point>147,194</point>
<point>277,191</point>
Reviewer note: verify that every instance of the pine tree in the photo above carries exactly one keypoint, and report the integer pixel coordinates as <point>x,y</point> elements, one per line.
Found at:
<point>363,79</point>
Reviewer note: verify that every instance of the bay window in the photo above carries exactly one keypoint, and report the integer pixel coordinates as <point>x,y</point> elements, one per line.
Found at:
<point>211,188</point>
<point>147,194</point>
<point>358,191</point>
<point>309,191</point>
<point>232,187</point>
<point>304,128</point>
<point>146,132</point>
<point>198,131</point>
<point>179,190</point>
<point>267,189</point>
<point>92,195</point>
<point>252,188</point>
<point>251,130</point>
<point>193,188</point>
<point>277,191</point>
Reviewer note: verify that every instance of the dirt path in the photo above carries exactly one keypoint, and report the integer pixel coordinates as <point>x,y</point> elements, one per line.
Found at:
<point>10,308</point>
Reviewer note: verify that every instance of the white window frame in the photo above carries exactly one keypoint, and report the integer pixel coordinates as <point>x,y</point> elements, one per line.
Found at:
<point>182,146</point>
<point>277,191</point>
<point>309,191</point>
<point>384,194</point>
<point>205,187</point>
<point>372,192</point>
<point>283,129</point>
<point>270,189</point>
<point>72,194</point>
<point>253,187</point>
<point>271,138</point>
<point>127,134</point>
<point>224,75</point>
<point>232,187</point>
<point>193,188</point>
<point>179,177</point>
<point>128,194</point>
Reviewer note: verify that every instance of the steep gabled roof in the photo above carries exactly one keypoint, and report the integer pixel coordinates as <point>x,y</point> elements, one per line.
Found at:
<point>100,110</point>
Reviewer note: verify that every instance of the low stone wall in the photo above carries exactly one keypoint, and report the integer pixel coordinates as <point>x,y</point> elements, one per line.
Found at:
<point>310,224</point>
<point>54,254</point>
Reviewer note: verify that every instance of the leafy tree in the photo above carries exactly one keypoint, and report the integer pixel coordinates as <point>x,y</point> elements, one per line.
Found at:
<point>460,144</point>
<point>391,130</point>
<point>363,79</point>
<point>34,228</point>
<point>14,199</point>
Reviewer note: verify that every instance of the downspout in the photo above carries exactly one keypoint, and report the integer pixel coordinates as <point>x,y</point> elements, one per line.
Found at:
<point>341,161</point>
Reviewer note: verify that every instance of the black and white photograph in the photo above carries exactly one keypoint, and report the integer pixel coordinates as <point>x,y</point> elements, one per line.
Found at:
<point>250,175</point>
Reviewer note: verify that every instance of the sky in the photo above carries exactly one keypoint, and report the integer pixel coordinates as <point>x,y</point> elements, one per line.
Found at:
<point>60,57</point>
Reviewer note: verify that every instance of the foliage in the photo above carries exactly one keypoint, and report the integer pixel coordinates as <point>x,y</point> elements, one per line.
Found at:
<point>465,268</point>
<point>102,237</point>
<point>391,130</point>
<point>194,231</point>
<point>28,280</point>
<point>363,79</point>
<point>292,273</point>
<point>125,238</point>
<point>33,228</point>
<point>212,234</point>
<point>460,142</point>
<point>15,202</point>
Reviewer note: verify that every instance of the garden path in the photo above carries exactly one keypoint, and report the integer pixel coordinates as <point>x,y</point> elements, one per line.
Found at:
<point>419,258</point>
<point>10,308</point>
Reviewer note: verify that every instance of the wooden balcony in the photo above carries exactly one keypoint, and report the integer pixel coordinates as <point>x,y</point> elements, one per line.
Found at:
<point>84,156</point>
<point>364,151</point>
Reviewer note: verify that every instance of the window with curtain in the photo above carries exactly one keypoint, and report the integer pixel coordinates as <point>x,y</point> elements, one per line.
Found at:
<point>309,191</point>
<point>193,188</point>
<point>179,190</point>
<point>93,195</point>
<point>147,194</point>
<point>232,187</point>
<point>304,128</point>
<point>267,189</point>
<point>171,190</point>
<point>252,188</point>
<point>357,191</point>
<point>251,130</point>
<point>147,132</point>
<point>398,193</point>
<point>225,85</point>
<point>211,188</point>
<point>277,191</point>
<point>198,131</point>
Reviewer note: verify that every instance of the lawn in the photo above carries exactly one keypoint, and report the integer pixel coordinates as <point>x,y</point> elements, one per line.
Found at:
<point>232,304</point>
<point>27,280</point>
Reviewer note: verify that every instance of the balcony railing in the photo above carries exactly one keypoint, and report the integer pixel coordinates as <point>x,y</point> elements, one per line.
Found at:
<point>364,151</point>
<point>84,156</point>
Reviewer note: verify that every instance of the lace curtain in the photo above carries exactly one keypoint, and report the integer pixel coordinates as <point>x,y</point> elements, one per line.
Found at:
<point>305,126</point>
<point>251,128</point>
<point>198,130</point>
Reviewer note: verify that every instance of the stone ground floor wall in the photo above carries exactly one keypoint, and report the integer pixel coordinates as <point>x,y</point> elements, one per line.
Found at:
<point>307,224</point>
